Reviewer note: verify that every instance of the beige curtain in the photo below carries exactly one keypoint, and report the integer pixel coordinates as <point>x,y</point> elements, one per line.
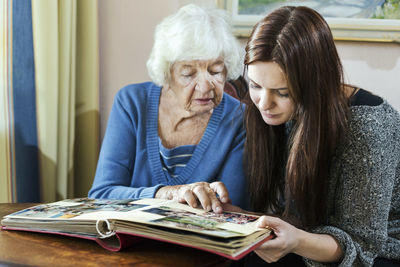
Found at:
<point>66,73</point>
<point>5,124</point>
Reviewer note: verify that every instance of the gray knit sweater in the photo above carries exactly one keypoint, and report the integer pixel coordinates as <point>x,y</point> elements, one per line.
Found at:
<point>364,188</point>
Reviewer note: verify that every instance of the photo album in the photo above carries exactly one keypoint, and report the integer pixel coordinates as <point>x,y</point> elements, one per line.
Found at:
<point>116,224</point>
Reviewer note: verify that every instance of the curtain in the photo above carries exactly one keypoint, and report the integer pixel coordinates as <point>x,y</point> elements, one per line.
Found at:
<point>49,135</point>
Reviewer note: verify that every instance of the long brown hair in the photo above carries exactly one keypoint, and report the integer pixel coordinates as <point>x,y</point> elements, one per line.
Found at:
<point>299,40</point>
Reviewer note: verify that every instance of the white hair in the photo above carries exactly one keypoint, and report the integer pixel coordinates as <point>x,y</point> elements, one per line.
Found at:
<point>193,33</point>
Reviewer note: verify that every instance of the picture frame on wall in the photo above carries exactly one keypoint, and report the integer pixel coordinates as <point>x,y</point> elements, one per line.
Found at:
<point>361,20</point>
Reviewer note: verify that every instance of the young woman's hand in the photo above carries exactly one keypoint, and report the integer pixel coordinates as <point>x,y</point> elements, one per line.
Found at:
<point>286,240</point>
<point>194,194</point>
<point>289,239</point>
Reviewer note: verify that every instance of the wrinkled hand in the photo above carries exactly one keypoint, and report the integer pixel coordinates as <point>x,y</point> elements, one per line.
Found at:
<point>232,208</point>
<point>195,193</point>
<point>286,240</point>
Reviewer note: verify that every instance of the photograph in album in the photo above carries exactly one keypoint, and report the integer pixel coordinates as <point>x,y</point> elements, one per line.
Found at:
<point>116,224</point>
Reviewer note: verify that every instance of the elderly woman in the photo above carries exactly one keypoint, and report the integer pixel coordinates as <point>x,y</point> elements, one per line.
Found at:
<point>179,137</point>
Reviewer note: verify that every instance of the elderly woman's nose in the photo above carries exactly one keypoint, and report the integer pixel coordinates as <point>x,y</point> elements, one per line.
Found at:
<point>204,83</point>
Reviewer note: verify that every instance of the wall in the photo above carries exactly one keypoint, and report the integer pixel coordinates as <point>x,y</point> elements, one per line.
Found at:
<point>126,35</point>
<point>373,66</point>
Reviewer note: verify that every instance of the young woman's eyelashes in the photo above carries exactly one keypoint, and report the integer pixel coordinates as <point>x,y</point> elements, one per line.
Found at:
<point>280,92</point>
<point>253,85</point>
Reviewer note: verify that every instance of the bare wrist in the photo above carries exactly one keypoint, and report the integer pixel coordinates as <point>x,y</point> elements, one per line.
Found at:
<point>301,238</point>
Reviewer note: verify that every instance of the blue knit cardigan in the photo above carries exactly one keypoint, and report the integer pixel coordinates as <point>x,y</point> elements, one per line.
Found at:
<point>129,164</point>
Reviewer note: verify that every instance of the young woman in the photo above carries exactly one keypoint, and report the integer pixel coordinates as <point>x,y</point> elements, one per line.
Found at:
<point>323,156</point>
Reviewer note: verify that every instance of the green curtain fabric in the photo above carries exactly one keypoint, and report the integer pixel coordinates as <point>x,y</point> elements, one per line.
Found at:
<point>65,97</point>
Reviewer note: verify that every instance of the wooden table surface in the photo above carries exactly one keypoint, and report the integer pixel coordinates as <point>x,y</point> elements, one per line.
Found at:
<point>38,249</point>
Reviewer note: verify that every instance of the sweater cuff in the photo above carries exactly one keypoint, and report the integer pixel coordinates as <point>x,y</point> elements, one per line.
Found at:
<point>346,243</point>
<point>150,192</point>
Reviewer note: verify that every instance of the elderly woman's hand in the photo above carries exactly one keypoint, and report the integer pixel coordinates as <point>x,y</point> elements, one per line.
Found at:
<point>192,194</point>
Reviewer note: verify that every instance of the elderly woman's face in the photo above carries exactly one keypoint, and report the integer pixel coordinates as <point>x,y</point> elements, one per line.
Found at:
<point>198,84</point>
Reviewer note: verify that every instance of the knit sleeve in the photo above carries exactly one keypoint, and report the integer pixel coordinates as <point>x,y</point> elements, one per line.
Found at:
<point>365,173</point>
<point>232,172</point>
<point>118,152</point>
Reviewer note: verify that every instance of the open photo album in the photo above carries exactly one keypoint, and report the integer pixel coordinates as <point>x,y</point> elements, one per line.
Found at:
<point>116,224</point>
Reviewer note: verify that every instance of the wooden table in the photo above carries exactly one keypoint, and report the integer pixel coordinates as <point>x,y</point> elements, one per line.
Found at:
<point>38,249</point>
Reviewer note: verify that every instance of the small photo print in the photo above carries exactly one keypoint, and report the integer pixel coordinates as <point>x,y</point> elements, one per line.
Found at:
<point>70,208</point>
<point>232,217</point>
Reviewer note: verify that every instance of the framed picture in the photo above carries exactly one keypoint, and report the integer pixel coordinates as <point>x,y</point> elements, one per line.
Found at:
<point>351,20</point>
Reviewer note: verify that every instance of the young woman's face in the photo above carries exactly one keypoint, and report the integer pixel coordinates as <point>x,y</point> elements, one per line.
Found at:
<point>198,84</point>
<point>269,92</point>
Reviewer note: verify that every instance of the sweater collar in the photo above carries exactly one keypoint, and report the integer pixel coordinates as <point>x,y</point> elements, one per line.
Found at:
<point>153,149</point>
